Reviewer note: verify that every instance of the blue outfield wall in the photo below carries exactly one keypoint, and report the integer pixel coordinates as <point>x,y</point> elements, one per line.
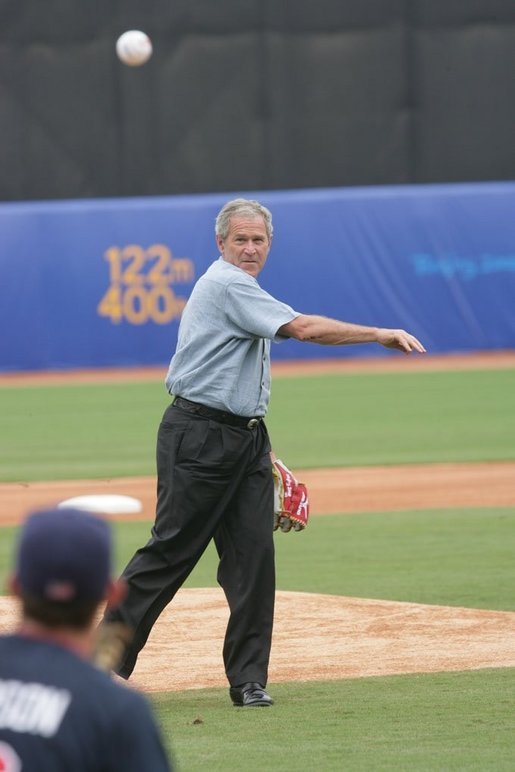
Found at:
<point>103,282</point>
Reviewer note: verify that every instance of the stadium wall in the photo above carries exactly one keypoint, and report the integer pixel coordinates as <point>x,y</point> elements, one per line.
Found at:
<point>93,283</point>
<point>260,94</point>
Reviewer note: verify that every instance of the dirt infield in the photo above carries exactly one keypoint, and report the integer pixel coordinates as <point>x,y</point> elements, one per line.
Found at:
<point>316,637</point>
<point>319,636</point>
<point>353,489</point>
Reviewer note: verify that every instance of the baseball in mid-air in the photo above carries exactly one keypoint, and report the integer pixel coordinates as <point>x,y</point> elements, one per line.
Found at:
<point>134,48</point>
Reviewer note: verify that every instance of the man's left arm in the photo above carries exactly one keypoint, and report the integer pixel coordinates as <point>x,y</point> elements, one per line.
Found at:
<point>332,332</point>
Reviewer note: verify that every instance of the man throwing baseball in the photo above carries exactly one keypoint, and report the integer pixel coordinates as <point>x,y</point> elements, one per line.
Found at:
<point>214,460</point>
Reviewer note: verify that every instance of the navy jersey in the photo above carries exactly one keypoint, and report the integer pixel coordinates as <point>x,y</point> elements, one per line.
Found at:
<point>58,713</point>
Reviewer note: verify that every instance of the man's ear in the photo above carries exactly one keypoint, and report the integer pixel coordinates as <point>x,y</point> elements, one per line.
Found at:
<point>115,592</point>
<point>13,585</point>
<point>220,244</point>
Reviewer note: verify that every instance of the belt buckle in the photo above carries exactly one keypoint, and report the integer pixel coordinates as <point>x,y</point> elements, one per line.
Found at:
<point>252,423</point>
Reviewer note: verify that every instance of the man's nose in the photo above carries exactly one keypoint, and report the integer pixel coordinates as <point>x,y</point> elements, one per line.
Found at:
<point>250,247</point>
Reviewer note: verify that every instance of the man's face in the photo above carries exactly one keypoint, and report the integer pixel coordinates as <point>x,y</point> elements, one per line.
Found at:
<point>247,244</point>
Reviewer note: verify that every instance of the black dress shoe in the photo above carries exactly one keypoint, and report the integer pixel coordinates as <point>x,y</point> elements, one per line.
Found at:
<point>249,695</point>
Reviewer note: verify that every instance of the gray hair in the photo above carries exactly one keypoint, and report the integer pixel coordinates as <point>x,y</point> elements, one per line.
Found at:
<point>242,206</point>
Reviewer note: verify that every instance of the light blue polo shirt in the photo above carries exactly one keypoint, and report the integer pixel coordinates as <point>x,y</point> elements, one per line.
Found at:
<point>222,358</point>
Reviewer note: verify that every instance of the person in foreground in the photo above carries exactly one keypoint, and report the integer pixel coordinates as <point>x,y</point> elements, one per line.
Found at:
<point>59,713</point>
<point>214,460</point>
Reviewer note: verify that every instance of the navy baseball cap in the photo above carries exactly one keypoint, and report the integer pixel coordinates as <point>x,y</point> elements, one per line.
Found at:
<point>64,555</point>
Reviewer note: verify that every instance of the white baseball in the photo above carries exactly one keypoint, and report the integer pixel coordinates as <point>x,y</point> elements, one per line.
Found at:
<point>134,48</point>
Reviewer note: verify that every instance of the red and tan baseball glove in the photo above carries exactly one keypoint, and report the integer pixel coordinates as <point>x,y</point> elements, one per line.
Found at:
<point>291,502</point>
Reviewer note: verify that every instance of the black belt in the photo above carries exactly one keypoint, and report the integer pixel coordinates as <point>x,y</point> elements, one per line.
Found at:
<point>221,416</point>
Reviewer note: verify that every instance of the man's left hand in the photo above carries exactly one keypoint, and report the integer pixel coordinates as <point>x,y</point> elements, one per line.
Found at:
<point>399,339</point>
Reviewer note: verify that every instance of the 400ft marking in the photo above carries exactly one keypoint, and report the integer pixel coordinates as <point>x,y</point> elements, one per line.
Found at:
<point>137,304</point>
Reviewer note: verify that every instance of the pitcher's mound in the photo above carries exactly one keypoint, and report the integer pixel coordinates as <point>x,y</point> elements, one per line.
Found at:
<point>319,637</point>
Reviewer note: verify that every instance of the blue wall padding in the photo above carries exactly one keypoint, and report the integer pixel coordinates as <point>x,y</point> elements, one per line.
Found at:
<point>437,260</point>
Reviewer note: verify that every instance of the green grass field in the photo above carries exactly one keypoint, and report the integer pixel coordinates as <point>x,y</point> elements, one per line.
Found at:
<point>447,721</point>
<point>419,557</point>
<point>462,557</point>
<point>109,430</point>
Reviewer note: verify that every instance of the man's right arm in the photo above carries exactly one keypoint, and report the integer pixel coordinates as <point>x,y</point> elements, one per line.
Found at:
<point>138,744</point>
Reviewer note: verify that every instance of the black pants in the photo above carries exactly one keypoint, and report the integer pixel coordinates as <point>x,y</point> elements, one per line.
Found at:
<point>214,481</point>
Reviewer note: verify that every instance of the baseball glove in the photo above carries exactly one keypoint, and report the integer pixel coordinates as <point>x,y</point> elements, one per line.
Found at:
<point>291,502</point>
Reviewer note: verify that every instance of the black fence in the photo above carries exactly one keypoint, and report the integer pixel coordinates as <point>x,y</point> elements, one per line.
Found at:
<point>253,94</point>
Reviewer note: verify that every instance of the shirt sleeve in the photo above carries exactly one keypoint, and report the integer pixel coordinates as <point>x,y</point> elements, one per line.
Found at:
<point>255,311</point>
<point>137,744</point>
